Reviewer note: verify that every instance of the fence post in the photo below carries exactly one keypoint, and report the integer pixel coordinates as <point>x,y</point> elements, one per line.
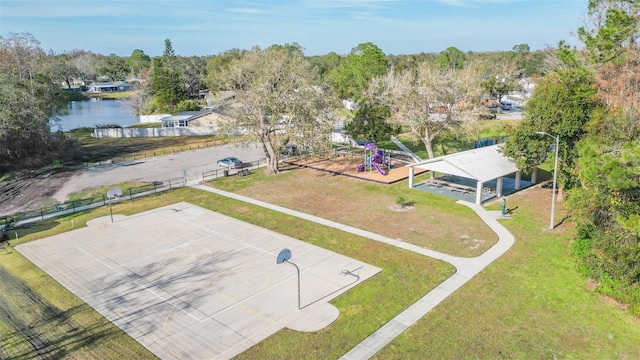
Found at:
<point>73,205</point>
<point>130,195</point>
<point>41,214</point>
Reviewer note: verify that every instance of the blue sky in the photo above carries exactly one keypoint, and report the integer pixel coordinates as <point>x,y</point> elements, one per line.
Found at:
<point>209,27</point>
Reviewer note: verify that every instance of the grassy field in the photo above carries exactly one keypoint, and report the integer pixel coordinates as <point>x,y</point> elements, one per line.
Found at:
<point>530,304</point>
<point>405,278</point>
<point>370,206</point>
<point>116,148</point>
<point>463,139</point>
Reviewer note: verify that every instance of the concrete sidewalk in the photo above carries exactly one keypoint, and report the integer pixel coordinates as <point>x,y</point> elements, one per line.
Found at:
<point>466,268</point>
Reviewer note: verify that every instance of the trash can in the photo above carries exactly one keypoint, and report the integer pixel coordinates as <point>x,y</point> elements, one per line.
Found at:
<point>226,173</point>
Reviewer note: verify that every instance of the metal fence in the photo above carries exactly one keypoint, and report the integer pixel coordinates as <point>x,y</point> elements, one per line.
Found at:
<point>225,172</point>
<point>26,218</point>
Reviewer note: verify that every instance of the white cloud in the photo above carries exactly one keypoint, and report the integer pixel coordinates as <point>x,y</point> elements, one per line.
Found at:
<point>250,11</point>
<point>351,4</point>
<point>477,3</point>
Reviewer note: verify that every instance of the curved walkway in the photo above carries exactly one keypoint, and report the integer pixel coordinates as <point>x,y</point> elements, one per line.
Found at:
<point>466,268</point>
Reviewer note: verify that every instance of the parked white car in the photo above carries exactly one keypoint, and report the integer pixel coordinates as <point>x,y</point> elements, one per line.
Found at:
<point>230,162</point>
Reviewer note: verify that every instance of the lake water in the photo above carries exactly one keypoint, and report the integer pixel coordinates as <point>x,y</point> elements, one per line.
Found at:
<point>92,112</point>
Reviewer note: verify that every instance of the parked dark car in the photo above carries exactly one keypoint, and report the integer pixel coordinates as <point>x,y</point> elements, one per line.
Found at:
<point>289,150</point>
<point>487,117</point>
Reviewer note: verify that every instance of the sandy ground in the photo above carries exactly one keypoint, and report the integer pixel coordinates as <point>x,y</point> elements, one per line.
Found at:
<point>348,165</point>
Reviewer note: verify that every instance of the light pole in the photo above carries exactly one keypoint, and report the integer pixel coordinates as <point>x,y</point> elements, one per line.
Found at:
<point>555,176</point>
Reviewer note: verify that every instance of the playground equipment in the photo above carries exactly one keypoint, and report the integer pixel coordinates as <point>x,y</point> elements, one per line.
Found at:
<point>375,161</point>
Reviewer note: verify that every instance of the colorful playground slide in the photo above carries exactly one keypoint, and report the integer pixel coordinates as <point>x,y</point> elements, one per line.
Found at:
<point>375,165</point>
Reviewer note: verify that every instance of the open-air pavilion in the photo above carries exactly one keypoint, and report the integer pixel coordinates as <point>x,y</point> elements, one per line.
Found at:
<point>475,175</point>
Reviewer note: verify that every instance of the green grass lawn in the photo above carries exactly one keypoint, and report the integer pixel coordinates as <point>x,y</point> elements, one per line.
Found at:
<point>529,304</point>
<point>117,149</point>
<point>404,279</point>
<point>369,206</point>
<point>112,95</point>
<point>463,139</point>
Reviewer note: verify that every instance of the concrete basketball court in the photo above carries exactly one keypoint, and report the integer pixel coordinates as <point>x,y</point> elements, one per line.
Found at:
<point>189,283</point>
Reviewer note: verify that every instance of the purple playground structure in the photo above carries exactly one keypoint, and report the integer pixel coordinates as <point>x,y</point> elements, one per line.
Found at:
<point>374,161</point>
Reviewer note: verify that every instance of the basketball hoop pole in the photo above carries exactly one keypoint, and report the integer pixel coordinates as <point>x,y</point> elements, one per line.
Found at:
<point>113,193</point>
<point>284,256</point>
<point>110,211</point>
<point>298,269</point>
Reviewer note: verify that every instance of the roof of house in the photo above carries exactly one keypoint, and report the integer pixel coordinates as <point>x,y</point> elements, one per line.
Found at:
<point>110,84</point>
<point>187,115</point>
<point>482,164</point>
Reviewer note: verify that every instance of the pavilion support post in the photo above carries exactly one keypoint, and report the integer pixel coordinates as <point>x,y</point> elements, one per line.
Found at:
<point>499,182</point>
<point>534,176</point>
<point>479,187</point>
<point>411,177</point>
<point>518,178</point>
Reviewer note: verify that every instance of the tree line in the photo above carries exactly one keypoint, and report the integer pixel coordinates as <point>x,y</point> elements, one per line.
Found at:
<point>170,83</point>
<point>590,102</point>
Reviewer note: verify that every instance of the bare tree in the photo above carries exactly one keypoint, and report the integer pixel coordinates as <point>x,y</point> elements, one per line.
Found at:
<point>429,100</point>
<point>276,101</point>
<point>28,100</point>
<point>135,103</point>
<point>20,54</point>
<point>86,63</point>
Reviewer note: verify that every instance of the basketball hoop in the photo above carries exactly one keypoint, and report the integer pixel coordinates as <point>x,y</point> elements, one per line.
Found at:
<point>113,193</point>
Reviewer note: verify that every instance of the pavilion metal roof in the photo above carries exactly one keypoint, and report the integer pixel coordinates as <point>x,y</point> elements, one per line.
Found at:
<point>482,164</point>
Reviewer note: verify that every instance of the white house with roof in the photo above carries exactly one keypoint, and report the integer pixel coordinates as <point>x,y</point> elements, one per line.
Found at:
<point>102,87</point>
<point>202,118</point>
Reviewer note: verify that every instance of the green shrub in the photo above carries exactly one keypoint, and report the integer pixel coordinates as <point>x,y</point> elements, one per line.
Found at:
<point>625,293</point>
<point>400,200</point>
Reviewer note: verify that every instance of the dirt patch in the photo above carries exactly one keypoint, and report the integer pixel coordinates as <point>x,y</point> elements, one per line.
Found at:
<point>31,191</point>
<point>400,208</point>
<point>593,284</point>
